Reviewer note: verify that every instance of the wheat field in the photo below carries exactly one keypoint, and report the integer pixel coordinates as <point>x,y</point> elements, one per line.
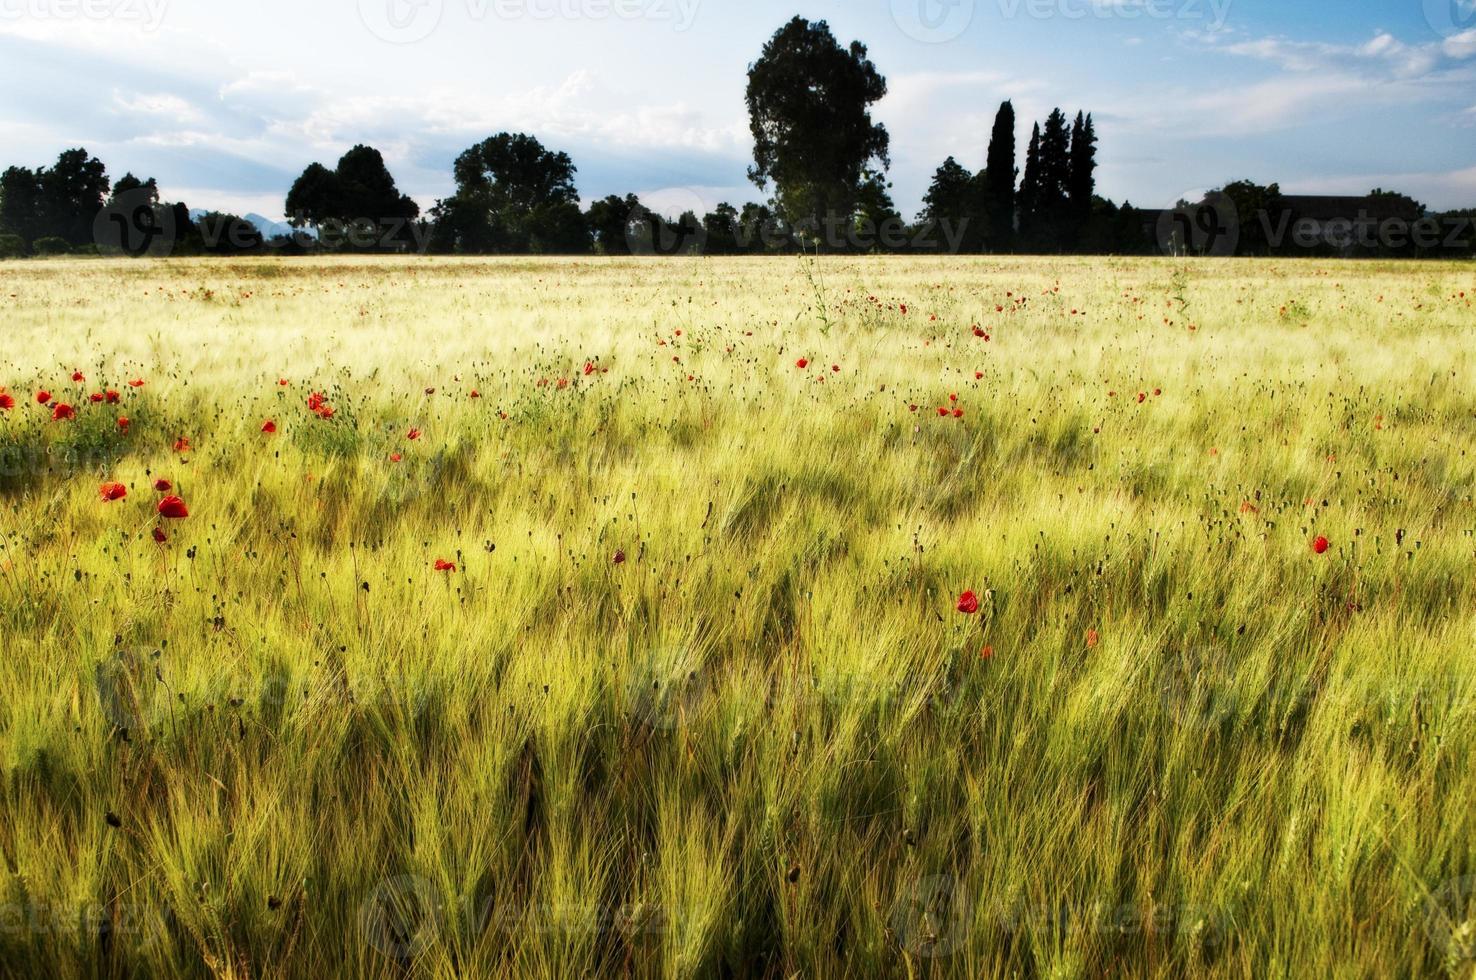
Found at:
<point>1057,618</point>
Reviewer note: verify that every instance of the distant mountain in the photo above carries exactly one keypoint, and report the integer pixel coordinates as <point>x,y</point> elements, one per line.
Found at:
<point>269,229</point>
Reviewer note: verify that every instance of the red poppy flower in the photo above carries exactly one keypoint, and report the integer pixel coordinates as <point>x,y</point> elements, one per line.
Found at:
<point>589,368</point>
<point>475,393</point>
<point>968,603</point>
<point>77,376</point>
<point>903,308</point>
<point>159,535</point>
<point>1320,545</point>
<point>442,565</point>
<point>562,384</point>
<point>269,427</point>
<point>173,508</point>
<point>123,422</point>
<point>136,383</point>
<point>112,397</point>
<point>95,397</point>
<point>958,413</point>
<point>1142,397</point>
<point>7,401</point>
<point>42,397</point>
<point>283,382</point>
<point>835,368</point>
<point>942,411</point>
<point>182,444</point>
<point>987,653</point>
<point>316,401</point>
<point>112,491</point>
<point>802,363</point>
<point>63,412</point>
<point>395,457</point>
<point>413,434</point>
<point>978,331</point>
<point>1092,639</point>
<point>978,375</point>
<point>162,485</point>
<point>620,557</point>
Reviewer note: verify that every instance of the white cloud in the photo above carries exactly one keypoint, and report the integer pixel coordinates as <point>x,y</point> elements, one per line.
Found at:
<point>165,105</point>
<point>1461,45</point>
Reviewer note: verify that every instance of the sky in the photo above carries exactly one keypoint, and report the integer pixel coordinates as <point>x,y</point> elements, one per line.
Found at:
<point>225,103</point>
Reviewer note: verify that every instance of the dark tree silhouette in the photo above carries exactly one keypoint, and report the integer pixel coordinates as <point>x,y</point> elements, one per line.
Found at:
<point>998,179</point>
<point>1082,181</point>
<point>955,196</point>
<point>314,197</point>
<point>1055,170</point>
<point>1255,209</point>
<point>147,190</point>
<point>809,111</point>
<point>722,230</point>
<point>72,192</point>
<point>512,196</point>
<point>1032,188</point>
<point>609,222</point>
<point>355,205</point>
<point>20,205</point>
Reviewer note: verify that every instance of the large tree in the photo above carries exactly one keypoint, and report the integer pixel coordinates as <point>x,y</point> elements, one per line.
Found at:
<point>359,196</point>
<point>69,196</point>
<point>955,196</point>
<point>20,204</point>
<point>1032,189</point>
<point>1082,181</point>
<point>609,221</point>
<point>998,180</point>
<point>809,103</point>
<point>512,196</point>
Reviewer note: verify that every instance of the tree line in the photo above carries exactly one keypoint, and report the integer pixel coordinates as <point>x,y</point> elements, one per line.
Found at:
<point>818,154</point>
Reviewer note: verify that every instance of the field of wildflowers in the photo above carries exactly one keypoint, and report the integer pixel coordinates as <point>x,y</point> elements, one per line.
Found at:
<point>746,618</point>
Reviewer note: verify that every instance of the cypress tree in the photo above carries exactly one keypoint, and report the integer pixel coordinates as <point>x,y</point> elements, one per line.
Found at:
<point>999,179</point>
<point>1029,200</point>
<point>1083,170</point>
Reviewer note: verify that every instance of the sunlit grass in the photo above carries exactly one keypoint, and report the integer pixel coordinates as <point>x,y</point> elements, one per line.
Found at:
<point>765,743</point>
